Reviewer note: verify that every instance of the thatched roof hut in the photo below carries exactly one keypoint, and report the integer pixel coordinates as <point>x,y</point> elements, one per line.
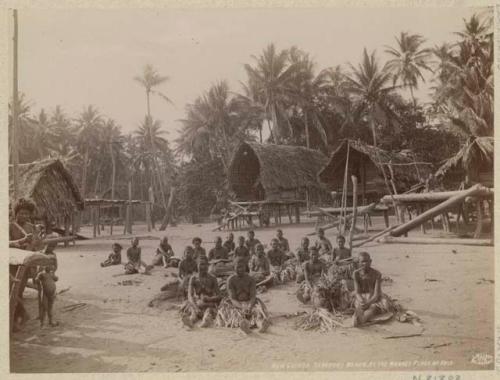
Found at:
<point>275,172</point>
<point>472,164</point>
<point>50,186</point>
<point>367,163</point>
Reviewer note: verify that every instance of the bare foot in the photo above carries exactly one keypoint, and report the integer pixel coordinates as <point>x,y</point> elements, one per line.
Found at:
<point>245,327</point>
<point>265,325</point>
<point>207,321</point>
<point>53,324</point>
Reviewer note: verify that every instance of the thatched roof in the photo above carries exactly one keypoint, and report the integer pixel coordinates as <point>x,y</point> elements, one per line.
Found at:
<point>280,167</point>
<point>50,186</point>
<point>477,155</point>
<point>407,171</point>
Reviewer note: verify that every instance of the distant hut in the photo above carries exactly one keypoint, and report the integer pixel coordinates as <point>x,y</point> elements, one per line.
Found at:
<point>369,164</point>
<point>472,164</point>
<point>276,173</point>
<point>50,186</point>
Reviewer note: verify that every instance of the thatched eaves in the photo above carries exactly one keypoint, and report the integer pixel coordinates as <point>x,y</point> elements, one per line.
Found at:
<point>50,186</point>
<point>476,156</point>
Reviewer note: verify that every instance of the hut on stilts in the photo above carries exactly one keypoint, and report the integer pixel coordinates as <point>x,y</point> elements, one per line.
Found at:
<point>50,186</point>
<point>379,172</point>
<point>269,179</point>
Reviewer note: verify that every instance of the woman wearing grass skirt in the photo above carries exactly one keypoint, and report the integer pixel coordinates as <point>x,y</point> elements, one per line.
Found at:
<point>242,309</point>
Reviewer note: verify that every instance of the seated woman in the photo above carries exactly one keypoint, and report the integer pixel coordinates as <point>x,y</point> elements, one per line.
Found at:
<point>369,301</point>
<point>242,308</point>
<point>219,251</point>
<point>115,257</point>
<point>260,268</point>
<point>229,243</point>
<point>343,264</point>
<point>187,267</point>
<point>203,297</point>
<point>135,262</point>
<point>313,270</point>
<point>164,254</point>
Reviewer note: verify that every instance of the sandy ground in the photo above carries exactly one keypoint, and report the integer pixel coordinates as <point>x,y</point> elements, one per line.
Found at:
<point>449,287</point>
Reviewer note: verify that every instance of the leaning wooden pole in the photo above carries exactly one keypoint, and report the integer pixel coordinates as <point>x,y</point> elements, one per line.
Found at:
<point>168,214</point>
<point>439,209</point>
<point>15,115</point>
<point>447,241</point>
<point>354,208</point>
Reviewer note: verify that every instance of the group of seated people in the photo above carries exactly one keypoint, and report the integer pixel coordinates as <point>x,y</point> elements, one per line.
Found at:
<point>255,268</point>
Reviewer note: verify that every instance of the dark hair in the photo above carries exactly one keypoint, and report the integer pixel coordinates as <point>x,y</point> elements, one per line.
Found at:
<point>197,239</point>
<point>117,245</point>
<point>341,237</point>
<point>24,204</point>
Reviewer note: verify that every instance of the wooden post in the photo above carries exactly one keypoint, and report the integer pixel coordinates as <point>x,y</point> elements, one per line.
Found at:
<point>297,213</point>
<point>420,211</point>
<point>98,220</point>
<point>479,222</point>
<point>386,218</point>
<point>15,115</point>
<point>66,229</point>
<point>93,218</point>
<point>128,222</point>
<point>74,216</point>
<point>151,197</point>
<point>148,216</point>
<point>354,208</point>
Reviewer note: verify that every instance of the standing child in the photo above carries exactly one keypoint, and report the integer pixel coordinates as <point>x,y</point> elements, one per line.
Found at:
<point>46,281</point>
<point>115,257</point>
<point>134,259</point>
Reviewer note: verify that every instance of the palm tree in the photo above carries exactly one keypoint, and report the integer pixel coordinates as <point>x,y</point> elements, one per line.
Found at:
<point>88,124</point>
<point>63,133</point>
<point>149,137</point>
<point>409,60</point>
<point>306,88</point>
<point>151,79</point>
<point>271,79</point>
<point>43,135</point>
<point>370,88</point>
<point>464,90</point>
<point>251,112</point>
<point>214,124</point>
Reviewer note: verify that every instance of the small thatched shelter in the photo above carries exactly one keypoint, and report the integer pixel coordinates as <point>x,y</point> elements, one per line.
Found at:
<point>50,186</point>
<point>368,164</point>
<point>472,164</point>
<point>276,172</point>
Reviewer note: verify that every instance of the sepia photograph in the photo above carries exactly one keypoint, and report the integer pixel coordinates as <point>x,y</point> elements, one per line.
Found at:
<point>250,190</point>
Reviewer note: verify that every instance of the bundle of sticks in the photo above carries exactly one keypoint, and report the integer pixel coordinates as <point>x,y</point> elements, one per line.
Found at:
<point>319,319</point>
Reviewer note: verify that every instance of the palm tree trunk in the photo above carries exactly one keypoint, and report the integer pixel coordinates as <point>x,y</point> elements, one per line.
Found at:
<point>275,125</point>
<point>148,104</point>
<point>372,127</point>
<point>306,122</point>
<point>84,173</point>
<point>260,133</point>
<point>413,97</point>
<point>113,171</point>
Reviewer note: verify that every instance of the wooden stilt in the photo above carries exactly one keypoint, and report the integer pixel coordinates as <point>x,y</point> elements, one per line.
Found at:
<point>66,229</point>
<point>128,210</point>
<point>479,222</point>
<point>422,226</point>
<point>297,213</point>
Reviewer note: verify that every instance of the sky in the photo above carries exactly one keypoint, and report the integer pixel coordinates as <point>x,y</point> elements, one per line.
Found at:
<point>74,58</point>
